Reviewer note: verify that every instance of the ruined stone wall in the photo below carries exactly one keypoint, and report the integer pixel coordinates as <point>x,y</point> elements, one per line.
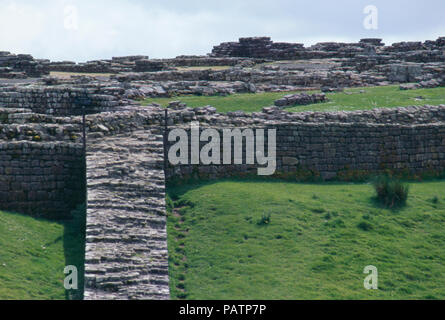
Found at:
<point>115,65</point>
<point>126,254</point>
<point>205,61</point>
<point>39,152</point>
<point>42,161</point>
<point>258,77</point>
<point>21,66</point>
<point>337,145</point>
<point>258,47</point>
<point>56,100</point>
<point>263,47</point>
<point>41,179</point>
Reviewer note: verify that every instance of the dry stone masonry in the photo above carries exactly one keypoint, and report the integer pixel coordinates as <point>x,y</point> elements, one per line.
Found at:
<point>21,66</point>
<point>330,145</point>
<point>41,179</point>
<point>126,236</point>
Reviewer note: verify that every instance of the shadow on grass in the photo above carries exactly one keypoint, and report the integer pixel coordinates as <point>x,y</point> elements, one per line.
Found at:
<point>74,230</point>
<point>177,189</point>
<point>71,238</point>
<point>74,248</point>
<point>376,203</point>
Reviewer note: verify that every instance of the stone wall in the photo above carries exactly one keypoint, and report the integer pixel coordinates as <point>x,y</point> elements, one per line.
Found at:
<point>258,47</point>
<point>41,179</point>
<point>269,78</point>
<point>57,100</point>
<point>126,234</point>
<point>206,61</point>
<point>324,144</point>
<point>42,162</point>
<point>333,145</point>
<point>263,47</point>
<point>21,66</point>
<point>115,65</point>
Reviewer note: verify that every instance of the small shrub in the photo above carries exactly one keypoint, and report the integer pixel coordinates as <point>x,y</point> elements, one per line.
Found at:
<point>391,192</point>
<point>435,200</point>
<point>265,220</point>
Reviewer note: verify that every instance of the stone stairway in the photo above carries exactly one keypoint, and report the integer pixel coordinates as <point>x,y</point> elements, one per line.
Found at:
<point>126,238</point>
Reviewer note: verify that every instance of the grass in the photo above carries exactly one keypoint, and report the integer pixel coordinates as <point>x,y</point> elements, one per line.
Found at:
<point>248,102</point>
<point>67,75</point>
<point>315,245</point>
<point>352,99</point>
<point>34,253</point>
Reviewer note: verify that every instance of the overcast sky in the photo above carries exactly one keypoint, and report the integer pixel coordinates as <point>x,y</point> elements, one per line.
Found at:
<point>81,30</point>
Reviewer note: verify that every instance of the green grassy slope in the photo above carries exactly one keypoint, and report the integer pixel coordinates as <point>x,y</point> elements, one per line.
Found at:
<point>34,253</point>
<point>351,99</point>
<point>320,238</point>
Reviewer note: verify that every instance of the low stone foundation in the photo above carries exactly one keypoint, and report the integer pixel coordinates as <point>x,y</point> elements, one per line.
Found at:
<point>300,99</point>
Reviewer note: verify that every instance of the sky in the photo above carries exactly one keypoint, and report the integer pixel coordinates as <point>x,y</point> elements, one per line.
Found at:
<point>82,30</point>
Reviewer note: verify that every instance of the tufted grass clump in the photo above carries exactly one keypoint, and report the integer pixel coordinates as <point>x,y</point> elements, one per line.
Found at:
<point>265,219</point>
<point>391,192</point>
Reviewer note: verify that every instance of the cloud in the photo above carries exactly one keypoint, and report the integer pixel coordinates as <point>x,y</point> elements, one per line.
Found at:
<point>170,28</point>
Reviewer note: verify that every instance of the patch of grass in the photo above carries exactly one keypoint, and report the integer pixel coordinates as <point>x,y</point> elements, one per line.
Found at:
<point>376,97</point>
<point>352,99</point>
<point>34,253</point>
<point>302,254</point>
<point>67,75</point>
<point>248,102</point>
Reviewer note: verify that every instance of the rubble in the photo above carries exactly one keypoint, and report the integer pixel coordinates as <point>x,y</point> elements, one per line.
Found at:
<point>300,99</point>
